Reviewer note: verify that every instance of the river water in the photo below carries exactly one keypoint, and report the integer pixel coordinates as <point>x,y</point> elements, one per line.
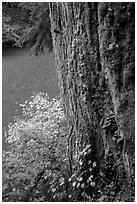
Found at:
<point>22,76</point>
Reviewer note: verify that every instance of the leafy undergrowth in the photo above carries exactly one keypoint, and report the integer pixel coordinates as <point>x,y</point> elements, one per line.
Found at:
<point>38,144</point>
<point>36,168</point>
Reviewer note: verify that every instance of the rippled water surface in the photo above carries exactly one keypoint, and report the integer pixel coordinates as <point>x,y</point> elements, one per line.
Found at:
<point>22,75</point>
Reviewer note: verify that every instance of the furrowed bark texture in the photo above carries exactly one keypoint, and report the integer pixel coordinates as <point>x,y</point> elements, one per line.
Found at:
<point>117,49</point>
<point>76,54</point>
<point>94,53</point>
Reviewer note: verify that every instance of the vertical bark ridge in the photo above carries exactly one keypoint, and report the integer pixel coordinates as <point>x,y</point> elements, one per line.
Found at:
<point>95,60</point>
<point>78,78</point>
<point>116,28</point>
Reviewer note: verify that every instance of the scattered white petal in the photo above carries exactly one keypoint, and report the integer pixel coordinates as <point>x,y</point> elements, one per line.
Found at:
<point>74,183</point>
<point>82,185</point>
<point>94,164</point>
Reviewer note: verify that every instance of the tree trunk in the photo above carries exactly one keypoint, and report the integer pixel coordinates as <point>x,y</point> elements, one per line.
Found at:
<point>94,54</point>
<point>117,49</point>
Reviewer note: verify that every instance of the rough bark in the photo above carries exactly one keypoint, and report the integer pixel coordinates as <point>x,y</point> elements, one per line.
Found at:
<point>117,49</point>
<point>78,66</point>
<point>94,52</point>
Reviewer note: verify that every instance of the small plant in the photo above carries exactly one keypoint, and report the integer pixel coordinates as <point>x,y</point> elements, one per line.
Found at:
<point>38,141</point>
